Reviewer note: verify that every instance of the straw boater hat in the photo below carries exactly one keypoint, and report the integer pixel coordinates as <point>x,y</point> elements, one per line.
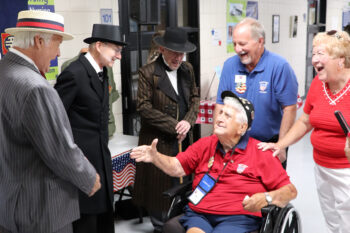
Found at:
<point>105,33</point>
<point>175,39</point>
<point>40,21</point>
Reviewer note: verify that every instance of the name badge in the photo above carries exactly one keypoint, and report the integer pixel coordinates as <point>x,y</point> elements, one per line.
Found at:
<point>205,185</point>
<point>239,78</point>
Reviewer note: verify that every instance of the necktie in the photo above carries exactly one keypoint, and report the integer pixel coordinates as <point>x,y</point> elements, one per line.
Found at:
<point>100,76</point>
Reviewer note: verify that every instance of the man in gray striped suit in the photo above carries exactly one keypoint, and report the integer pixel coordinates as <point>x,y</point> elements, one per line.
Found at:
<point>40,166</point>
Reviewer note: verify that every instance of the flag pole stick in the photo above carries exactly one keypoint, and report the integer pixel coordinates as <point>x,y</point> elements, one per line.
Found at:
<point>180,150</point>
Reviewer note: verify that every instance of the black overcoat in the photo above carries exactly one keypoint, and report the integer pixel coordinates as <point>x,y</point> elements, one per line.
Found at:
<point>85,99</point>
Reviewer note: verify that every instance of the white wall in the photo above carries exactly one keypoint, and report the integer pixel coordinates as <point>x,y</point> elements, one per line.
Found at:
<point>79,16</point>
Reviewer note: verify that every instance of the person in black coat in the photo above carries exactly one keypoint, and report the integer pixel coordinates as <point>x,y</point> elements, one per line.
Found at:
<point>83,88</point>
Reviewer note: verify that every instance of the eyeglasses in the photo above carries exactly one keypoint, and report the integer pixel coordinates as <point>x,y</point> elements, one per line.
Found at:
<point>116,49</point>
<point>334,33</point>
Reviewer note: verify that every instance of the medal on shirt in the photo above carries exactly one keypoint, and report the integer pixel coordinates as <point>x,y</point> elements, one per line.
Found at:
<point>240,83</point>
<point>203,188</point>
<point>211,162</point>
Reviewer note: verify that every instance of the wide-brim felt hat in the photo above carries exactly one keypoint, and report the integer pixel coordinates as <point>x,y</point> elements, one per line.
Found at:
<point>105,33</point>
<point>247,105</point>
<point>175,39</point>
<point>40,21</point>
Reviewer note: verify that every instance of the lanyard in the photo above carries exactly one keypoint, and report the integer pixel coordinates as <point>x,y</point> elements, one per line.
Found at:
<point>217,179</point>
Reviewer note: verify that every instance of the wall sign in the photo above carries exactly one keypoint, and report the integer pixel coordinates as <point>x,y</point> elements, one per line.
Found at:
<point>106,16</point>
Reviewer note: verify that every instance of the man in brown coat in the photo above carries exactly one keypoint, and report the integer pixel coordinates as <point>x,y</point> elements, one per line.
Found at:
<point>168,102</point>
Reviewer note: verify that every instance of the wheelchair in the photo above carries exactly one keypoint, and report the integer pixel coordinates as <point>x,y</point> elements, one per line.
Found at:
<point>274,218</point>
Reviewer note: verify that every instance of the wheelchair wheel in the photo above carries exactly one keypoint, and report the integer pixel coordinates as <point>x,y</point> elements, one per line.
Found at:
<point>288,221</point>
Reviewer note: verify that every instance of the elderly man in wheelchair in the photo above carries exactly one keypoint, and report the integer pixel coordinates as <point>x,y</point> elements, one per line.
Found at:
<point>233,180</point>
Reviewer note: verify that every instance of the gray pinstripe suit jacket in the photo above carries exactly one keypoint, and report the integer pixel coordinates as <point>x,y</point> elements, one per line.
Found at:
<point>40,166</point>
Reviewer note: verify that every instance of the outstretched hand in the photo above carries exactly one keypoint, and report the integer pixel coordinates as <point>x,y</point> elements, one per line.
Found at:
<point>277,151</point>
<point>145,153</point>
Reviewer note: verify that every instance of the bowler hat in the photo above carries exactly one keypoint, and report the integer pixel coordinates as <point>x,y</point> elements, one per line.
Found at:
<point>105,33</point>
<point>175,39</point>
<point>247,105</point>
<point>40,21</point>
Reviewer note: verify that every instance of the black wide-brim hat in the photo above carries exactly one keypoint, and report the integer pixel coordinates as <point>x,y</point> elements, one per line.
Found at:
<point>105,33</point>
<point>247,105</point>
<point>175,39</point>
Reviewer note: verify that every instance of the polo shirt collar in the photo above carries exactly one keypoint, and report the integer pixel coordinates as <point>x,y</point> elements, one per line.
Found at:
<point>258,68</point>
<point>242,144</point>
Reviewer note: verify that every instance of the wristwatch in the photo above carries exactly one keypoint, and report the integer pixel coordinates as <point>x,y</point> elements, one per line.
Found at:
<point>268,198</point>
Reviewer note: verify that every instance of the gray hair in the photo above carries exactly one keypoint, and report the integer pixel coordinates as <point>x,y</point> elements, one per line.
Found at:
<point>92,45</point>
<point>241,116</point>
<point>257,29</point>
<point>25,39</point>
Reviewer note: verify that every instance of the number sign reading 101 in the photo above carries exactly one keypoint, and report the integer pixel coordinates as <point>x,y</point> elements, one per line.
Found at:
<point>106,16</point>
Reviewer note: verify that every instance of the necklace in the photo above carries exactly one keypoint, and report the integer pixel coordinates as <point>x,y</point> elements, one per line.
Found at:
<point>335,91</point>
<point>337,98</point>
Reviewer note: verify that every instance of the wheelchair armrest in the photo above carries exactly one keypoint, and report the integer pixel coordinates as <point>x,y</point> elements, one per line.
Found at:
<point>269,209</point>
<point>177,190</point>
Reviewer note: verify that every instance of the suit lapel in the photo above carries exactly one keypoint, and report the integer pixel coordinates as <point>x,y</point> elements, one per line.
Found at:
<point>164,83</point>
<point>92,75</point>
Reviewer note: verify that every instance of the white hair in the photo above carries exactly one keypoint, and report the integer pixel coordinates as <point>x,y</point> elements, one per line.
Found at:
<point>257,29</point>
<point>25,39</point>
<point>241,116</point>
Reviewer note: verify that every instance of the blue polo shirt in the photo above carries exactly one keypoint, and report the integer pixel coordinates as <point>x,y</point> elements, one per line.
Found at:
<point>270,86</point>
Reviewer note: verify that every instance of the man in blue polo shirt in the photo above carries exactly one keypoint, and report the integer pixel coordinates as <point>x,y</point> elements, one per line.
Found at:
<point>264,78</point>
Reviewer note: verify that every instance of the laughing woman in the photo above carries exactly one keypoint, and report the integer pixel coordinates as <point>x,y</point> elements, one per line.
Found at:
<point>329,91</point>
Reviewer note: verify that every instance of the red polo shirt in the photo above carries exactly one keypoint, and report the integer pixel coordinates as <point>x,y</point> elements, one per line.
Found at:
<point>249,171</point>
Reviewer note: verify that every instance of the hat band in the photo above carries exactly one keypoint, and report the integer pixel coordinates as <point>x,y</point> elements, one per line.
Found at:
<point>37,23</point>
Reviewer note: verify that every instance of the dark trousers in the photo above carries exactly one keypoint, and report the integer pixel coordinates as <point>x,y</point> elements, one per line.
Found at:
<point>66,229</point>
<point>95,223</point>
<point>158,218</point>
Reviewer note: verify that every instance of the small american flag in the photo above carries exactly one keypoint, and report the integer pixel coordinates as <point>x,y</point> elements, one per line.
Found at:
<point>124,169</point>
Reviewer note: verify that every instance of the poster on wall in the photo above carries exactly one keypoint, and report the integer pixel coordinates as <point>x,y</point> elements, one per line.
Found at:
<point>8,18</point>
<point>235,12</point>
<point>293,26</point>
<point>345,17</point>
<point>252,9</point>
